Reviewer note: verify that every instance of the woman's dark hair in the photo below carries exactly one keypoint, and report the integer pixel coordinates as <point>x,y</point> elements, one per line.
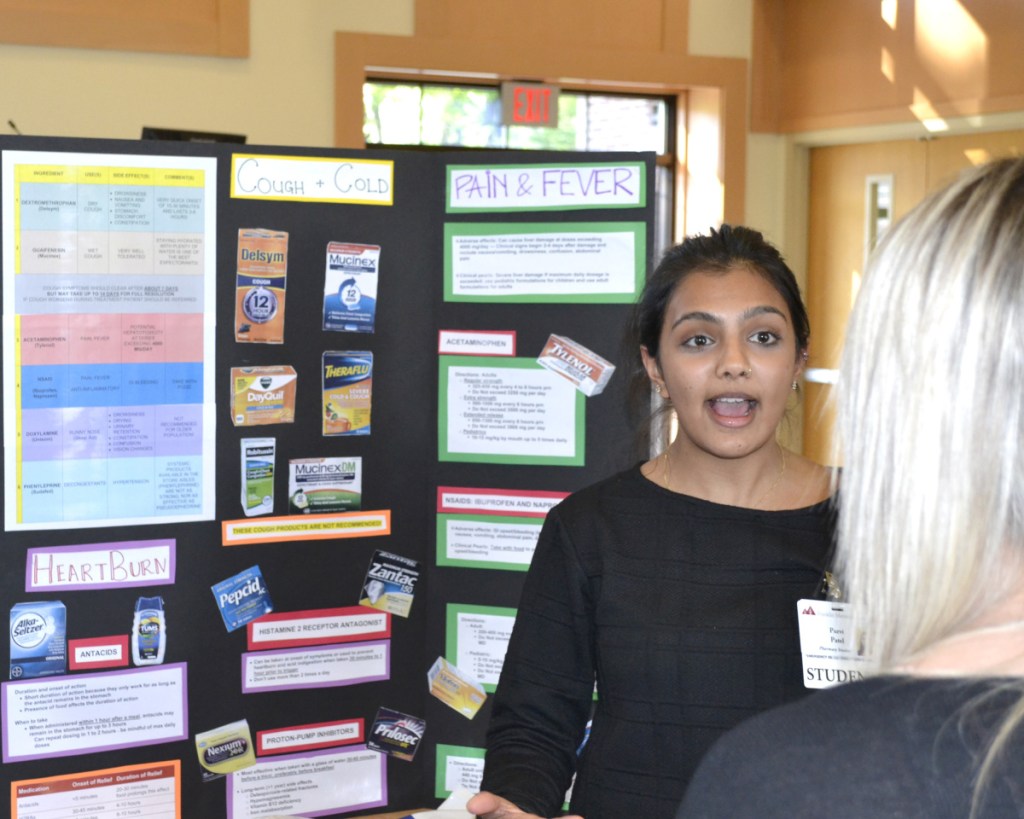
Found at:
<point>720,250</point>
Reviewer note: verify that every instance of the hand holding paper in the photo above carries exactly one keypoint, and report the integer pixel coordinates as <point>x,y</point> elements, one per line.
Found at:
<point>487,805</point>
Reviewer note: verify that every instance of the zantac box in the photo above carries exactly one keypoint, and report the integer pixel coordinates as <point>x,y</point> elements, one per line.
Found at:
<point>585,369</point>
<point>38,639</point>
<point>263,395</point>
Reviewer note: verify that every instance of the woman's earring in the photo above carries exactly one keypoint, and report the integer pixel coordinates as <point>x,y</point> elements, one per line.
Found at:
<point>795,386</point>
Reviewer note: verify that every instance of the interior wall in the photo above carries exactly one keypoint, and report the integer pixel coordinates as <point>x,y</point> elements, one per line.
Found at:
<point>831,65</point>
<point>836,253</point>
<point>636,47</point>
<point>281,94</point>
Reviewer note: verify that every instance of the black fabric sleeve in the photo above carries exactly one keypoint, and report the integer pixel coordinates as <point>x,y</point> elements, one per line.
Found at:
<point>545,691</point>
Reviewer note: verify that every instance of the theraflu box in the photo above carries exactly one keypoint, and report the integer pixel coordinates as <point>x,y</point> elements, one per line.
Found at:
<point>347,390</point>
<point>260,276</point>
<point>38,639</point>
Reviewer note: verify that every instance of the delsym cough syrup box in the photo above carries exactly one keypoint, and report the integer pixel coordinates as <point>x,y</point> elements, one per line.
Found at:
<point>261,273</point>
<point>347,390</point>
<point>38,639</point>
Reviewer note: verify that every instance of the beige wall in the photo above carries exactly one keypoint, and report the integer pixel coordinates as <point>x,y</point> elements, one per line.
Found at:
<point>282,94</point>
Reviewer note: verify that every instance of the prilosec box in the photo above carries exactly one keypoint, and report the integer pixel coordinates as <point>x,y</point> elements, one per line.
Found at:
<point>38,639</point>
<point>396,734</point>
<point>263,395</point>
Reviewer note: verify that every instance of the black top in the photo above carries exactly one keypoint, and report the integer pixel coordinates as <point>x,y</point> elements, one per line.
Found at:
<point>893,747</point>
<point>682,610</point>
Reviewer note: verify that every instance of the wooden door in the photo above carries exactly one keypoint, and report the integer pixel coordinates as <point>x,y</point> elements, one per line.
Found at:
<point>837,232</point>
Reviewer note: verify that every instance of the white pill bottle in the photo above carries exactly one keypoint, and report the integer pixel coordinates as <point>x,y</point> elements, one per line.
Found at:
<point>149,632</point>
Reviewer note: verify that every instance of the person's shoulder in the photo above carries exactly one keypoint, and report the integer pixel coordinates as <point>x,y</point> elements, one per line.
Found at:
<point>603,503</point>
<point>627,484</point>
<point>772,758</point>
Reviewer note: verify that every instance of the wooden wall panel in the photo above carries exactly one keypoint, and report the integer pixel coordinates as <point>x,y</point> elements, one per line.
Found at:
<point>835,254</point>
<point>836,236</point>
<point>603,24</point>
<point>844,63</point>
<point>217,28</point>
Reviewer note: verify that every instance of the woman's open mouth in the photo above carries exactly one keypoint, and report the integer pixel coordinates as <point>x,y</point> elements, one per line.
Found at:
<point>732,406</point>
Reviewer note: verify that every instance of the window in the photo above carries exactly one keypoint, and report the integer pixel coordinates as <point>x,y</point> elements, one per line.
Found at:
<point>398,113</point>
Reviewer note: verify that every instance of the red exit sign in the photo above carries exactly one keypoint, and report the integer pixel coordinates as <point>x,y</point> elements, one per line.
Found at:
<point>533,104</point>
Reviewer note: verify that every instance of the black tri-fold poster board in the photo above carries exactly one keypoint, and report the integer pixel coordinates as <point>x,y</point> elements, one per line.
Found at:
<point>280,429</point>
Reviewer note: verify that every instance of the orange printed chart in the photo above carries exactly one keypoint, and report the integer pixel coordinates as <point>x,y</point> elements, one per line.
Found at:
<point>152,790</point>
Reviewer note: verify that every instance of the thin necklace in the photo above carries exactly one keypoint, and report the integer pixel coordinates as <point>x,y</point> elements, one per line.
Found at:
<point>778,477</point>
<point>667,468</point>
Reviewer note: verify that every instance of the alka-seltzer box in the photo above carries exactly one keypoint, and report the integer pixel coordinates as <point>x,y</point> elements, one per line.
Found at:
<point>242,598</point>
<point>396,734</point>
<point>260,275</point>
<point>263,395</point>
<point>39,646</point>
<point>347,390</point>
<point>455,689</point>
<point>390,583</point>
<point>325,485</point>
<point>585,369</point>
<point>350,287</point>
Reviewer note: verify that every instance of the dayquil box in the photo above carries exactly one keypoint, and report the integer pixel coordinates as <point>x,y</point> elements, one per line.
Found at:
<point>263,395</point>
<point>38,639</point>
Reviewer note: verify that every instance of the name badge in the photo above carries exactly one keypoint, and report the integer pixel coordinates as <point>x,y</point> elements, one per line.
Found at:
<point>830,651</point>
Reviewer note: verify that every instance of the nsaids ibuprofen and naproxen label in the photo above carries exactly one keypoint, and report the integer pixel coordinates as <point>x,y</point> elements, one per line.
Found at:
<point>347,389</point>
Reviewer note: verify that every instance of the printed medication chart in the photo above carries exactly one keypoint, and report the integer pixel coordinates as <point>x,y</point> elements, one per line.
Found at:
<point>108,283</point>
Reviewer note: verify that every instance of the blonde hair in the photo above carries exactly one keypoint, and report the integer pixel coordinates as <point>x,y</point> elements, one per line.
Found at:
<point>931,418</point>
